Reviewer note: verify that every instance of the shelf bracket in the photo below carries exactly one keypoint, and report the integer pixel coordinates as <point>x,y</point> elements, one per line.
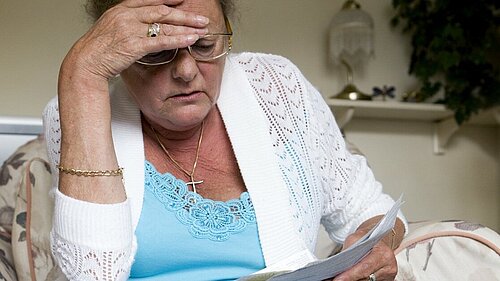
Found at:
<point>443,131</point>
<point>343,116</point>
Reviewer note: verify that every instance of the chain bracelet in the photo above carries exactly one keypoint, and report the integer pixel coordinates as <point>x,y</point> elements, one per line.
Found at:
<point>91,173</point>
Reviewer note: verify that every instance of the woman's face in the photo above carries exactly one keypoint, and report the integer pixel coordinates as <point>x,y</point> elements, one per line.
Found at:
<point>179,95</point>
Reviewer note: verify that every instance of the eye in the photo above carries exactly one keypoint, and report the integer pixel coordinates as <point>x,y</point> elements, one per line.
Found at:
<point>204,47</point>
<point>158,57</point>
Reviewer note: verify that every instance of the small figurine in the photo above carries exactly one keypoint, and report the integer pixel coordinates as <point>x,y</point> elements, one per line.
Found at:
<point>413,96</point>
<point>385,91</point>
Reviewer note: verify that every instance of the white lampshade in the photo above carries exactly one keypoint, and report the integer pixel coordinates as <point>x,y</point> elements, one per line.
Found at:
<point>351,34</point>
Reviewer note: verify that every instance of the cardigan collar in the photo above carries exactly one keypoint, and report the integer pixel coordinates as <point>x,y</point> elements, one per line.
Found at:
<point>248,132</point>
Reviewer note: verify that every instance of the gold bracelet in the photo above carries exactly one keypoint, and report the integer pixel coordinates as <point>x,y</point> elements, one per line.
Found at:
<point>91,173</point>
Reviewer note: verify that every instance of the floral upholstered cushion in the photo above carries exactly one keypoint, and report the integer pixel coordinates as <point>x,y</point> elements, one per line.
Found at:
<point>449,250</point>
<point>11,174</point>
<point>26,213</point>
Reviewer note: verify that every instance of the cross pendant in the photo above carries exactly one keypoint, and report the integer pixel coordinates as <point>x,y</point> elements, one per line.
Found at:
<point>193,183</point>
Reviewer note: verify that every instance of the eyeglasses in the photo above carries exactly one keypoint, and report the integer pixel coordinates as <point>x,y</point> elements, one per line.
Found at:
<point>209,47</point>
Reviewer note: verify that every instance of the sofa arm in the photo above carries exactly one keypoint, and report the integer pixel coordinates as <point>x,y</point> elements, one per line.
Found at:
<point>26,214</point>
<point>449,250</point>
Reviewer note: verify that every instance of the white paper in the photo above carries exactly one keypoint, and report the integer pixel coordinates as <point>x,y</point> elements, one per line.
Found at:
<point>293,262</point>
<point>333,266</point>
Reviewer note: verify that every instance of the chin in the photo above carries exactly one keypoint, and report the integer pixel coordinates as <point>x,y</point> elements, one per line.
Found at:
<point>189,118</point>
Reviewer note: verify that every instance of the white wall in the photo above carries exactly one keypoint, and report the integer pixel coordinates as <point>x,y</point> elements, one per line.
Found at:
<point>34,37</point>
<point>464,183</point>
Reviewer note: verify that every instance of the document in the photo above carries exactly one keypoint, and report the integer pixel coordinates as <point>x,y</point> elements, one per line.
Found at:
<point>334,265</point>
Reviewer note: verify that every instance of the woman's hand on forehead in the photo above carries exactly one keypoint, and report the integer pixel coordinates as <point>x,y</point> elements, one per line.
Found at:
<point>120,37</point>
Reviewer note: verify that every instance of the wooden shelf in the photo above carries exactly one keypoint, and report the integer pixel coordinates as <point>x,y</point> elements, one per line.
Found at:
<point>389,110</point>
<point>445,125</point>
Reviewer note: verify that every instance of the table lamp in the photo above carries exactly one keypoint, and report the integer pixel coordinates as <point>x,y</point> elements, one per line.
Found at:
<point>351,42</point>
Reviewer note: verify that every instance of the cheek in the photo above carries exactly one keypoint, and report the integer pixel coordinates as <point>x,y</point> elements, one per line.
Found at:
<point>133,79</point>
<point>213,77</point>
<point>136,82</point>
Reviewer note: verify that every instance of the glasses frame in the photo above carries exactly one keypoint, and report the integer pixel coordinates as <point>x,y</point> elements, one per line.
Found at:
<point>229,33</point>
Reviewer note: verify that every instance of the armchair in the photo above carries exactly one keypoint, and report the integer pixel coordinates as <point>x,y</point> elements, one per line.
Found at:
<point>432,250</point>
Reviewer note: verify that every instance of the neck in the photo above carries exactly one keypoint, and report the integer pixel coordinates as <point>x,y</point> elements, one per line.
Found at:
<point>173,138</point>
<point>188,173</point>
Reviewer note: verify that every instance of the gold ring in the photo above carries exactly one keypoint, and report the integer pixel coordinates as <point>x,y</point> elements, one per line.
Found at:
<point>153,29</point>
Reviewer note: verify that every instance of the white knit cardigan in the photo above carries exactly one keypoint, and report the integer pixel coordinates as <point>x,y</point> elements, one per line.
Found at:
<point>290,152</point>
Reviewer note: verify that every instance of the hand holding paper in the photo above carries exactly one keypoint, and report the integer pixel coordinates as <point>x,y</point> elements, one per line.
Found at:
<point>333,266</point>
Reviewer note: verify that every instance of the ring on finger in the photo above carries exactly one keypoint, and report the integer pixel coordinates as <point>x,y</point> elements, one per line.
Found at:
<point>153,29</point>
<point>372,277</point>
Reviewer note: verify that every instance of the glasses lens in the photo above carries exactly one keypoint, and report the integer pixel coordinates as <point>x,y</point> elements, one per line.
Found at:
<point>210,47</point>
<point>159,57</point>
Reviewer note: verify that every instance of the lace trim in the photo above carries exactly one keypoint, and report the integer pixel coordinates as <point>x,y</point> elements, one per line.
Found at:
<point>79,263</point>
<point>206,219</point>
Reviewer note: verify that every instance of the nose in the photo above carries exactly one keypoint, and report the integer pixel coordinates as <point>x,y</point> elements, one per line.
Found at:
<point>184,66</point>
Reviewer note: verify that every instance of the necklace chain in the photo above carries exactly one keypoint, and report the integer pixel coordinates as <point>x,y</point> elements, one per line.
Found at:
<point>193,183</point>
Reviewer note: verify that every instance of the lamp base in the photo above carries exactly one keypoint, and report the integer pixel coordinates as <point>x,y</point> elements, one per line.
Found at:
<point>350,92</point>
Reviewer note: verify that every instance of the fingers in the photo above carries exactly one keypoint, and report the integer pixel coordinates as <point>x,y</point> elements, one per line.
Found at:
<point>135,21</point>
<point>159,43</point>
<point>171,37</point>
<point>142,3</point>
<point>178,29</point>
<point>351,239</point>
<point>119,38</point>
<point>141,30</point>
<point>381,261</point>
<point>173,30</point>
<point>161,11</point>
<point>165,14</point>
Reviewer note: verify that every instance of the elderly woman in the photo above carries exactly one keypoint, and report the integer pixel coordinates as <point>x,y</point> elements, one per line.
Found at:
<point>194,164</point>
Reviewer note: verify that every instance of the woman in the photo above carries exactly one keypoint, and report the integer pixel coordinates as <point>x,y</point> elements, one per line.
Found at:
<point>229,162</point>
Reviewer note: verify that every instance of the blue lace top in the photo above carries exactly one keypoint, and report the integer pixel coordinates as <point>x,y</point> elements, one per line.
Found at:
<point>183,236</point>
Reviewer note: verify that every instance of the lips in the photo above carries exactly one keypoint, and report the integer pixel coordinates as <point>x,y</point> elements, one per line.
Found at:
<point>186,96</point>
<point>182,95</point>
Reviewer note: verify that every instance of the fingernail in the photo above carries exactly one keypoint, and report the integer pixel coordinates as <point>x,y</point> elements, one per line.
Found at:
<point>202,19</point>
<point>202,31</point>
<point>192,37</point>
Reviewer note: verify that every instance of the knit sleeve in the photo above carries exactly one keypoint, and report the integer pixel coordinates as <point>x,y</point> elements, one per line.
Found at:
<point>88,241</point>
<point>325,181</point>
<point>352,194</point>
